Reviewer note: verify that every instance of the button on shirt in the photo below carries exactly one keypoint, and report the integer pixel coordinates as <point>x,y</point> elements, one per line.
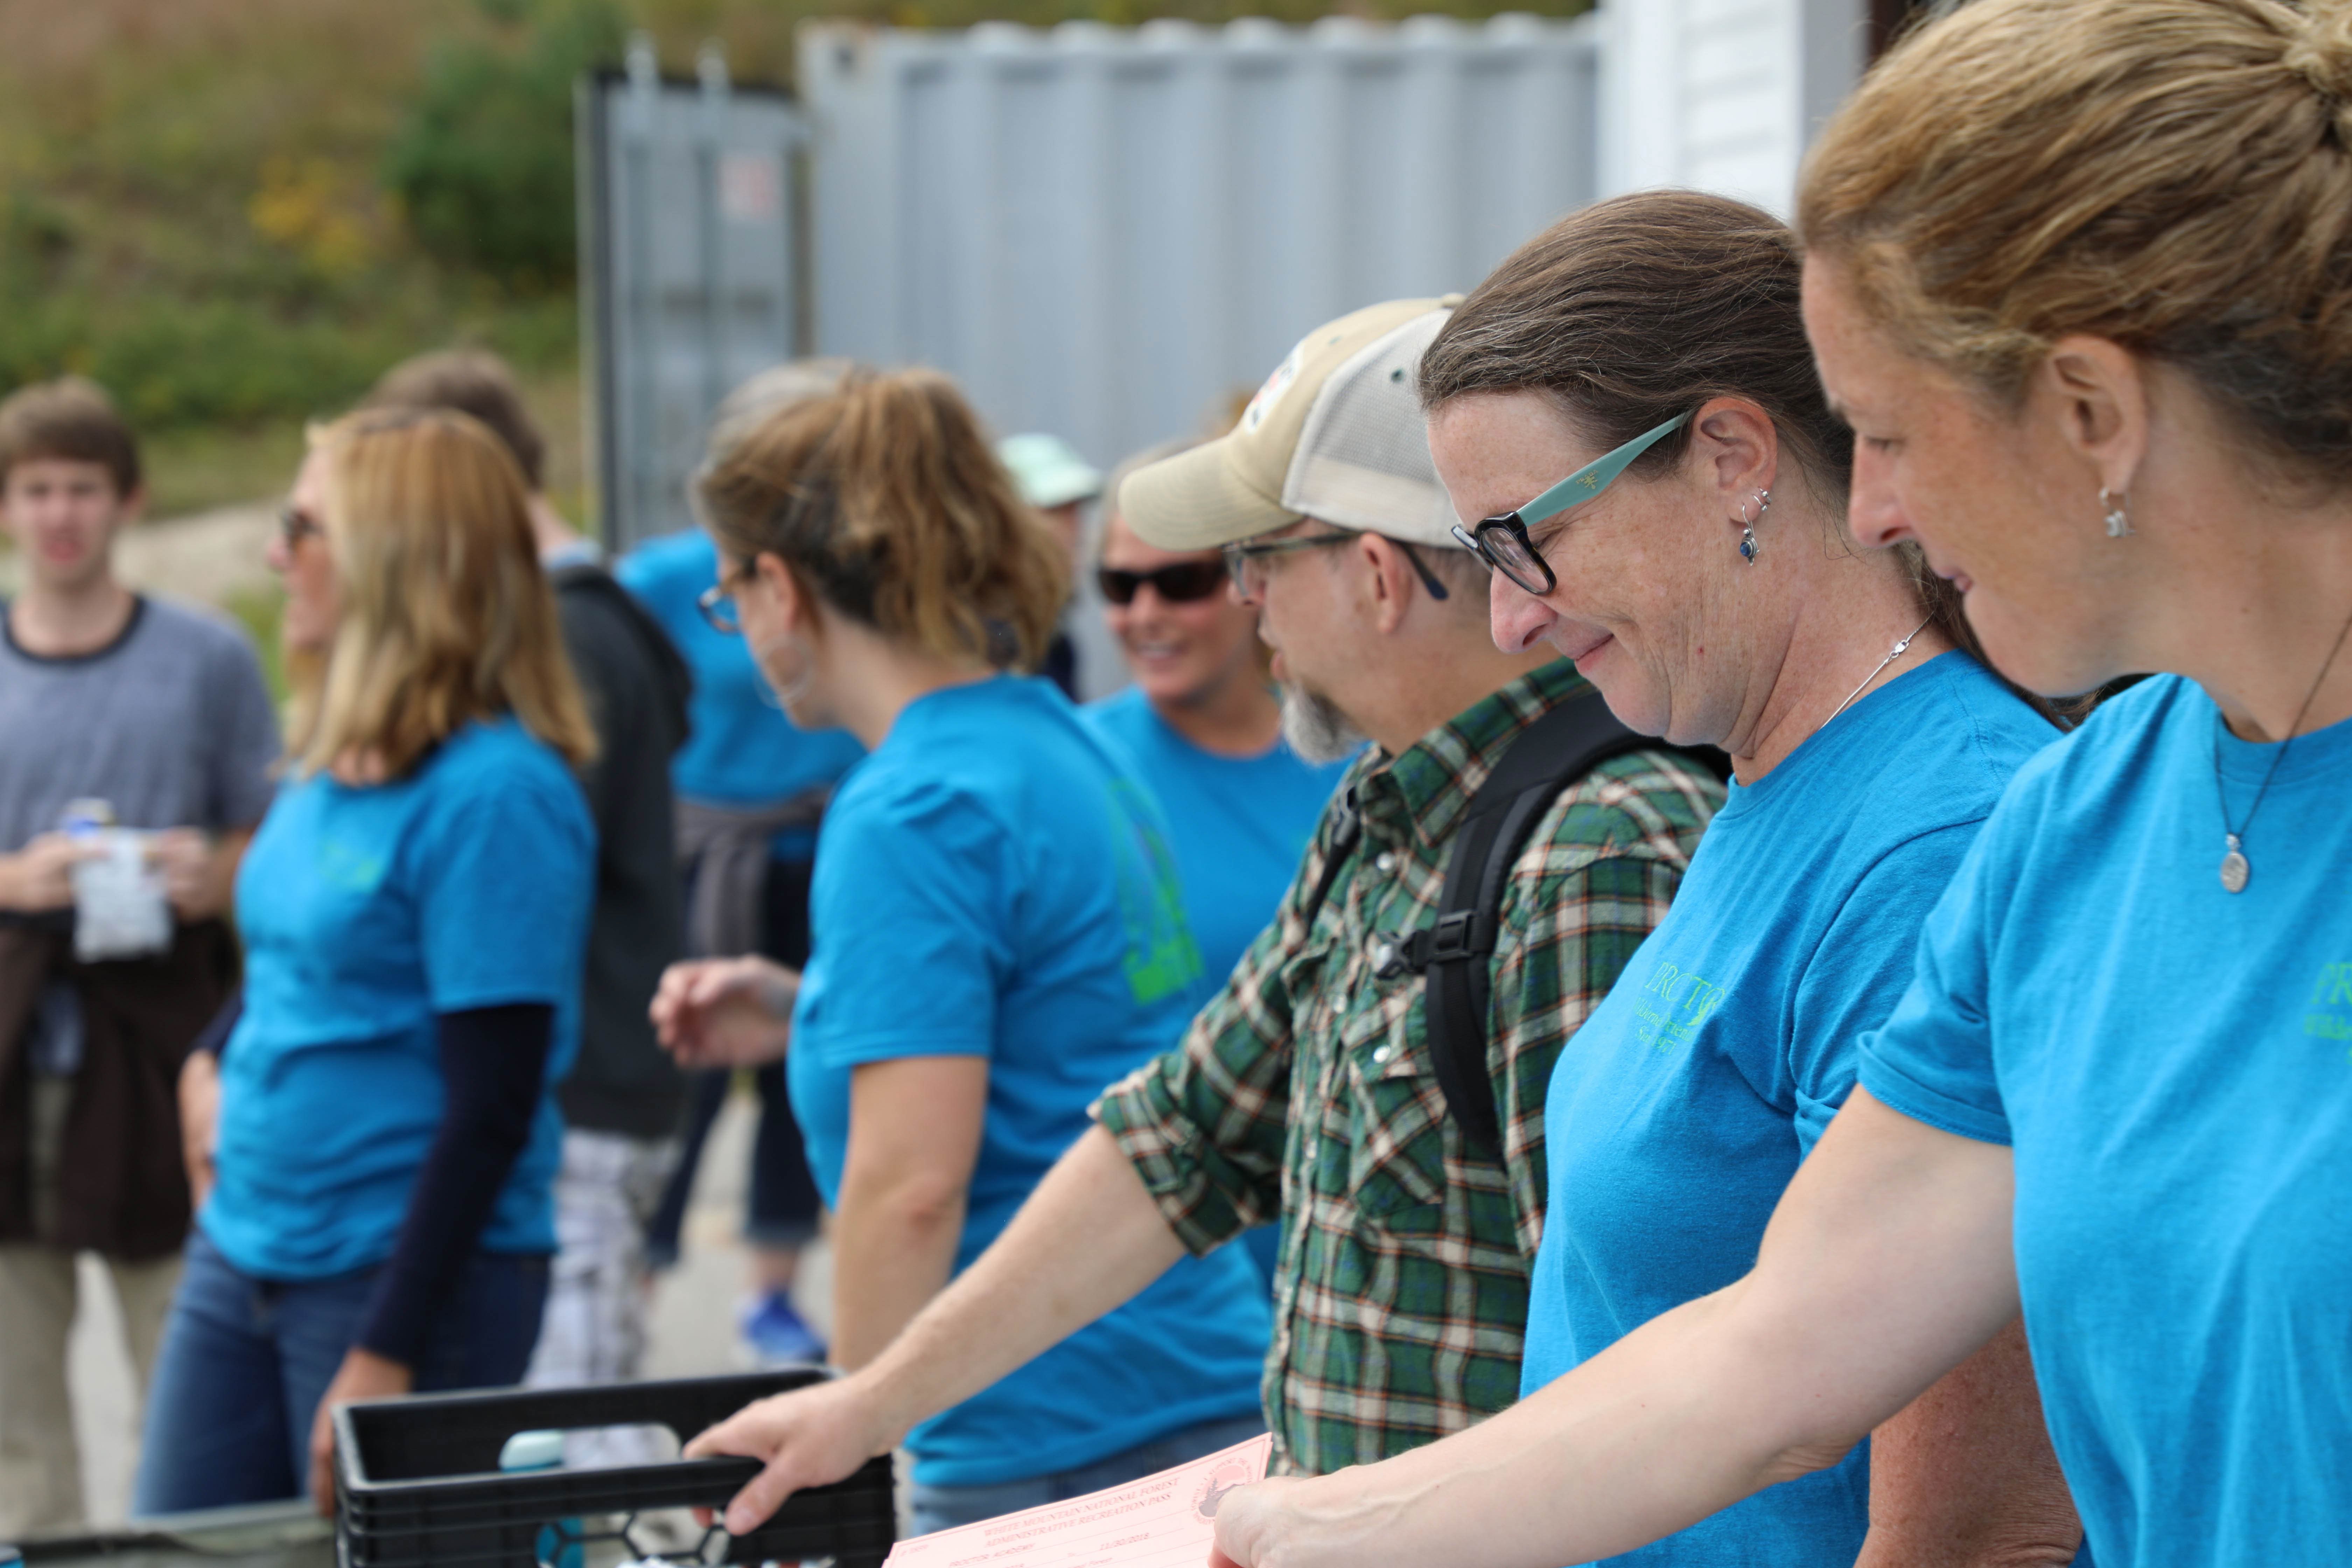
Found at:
<point>1403,1283</point>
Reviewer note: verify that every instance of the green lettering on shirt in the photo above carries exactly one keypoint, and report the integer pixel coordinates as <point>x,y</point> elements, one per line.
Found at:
<point>1161,956</point>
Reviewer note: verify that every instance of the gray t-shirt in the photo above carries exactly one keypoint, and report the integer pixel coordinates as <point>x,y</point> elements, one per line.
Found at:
<point>171,722</point>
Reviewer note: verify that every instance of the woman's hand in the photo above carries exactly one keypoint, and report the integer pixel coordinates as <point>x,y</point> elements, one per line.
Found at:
<point>726,1011</point>
<point>199,1119</point>
<point>364,1375</point>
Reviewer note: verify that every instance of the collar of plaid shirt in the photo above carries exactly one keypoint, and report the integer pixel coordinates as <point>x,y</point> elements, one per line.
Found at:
<point>1305,1089</point>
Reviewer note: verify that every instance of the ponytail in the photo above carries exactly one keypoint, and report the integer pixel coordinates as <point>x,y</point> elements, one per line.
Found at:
<point>884,501</point>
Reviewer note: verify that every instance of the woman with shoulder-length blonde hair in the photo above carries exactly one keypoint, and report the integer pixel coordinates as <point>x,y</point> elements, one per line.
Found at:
<point>382,1132</point>
<point>998,936</point>
<point>2079,277</point>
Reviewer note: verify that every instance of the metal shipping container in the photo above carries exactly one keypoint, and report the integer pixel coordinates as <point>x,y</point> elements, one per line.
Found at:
<point>689,239</point>
<point>1104,233</point>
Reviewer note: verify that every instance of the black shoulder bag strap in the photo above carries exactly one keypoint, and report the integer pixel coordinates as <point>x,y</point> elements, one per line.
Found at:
<point>1550,754</point>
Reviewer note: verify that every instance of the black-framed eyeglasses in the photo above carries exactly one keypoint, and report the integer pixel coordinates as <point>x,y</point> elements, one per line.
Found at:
<point>1251,581</point>
<point>295,525</point>
<point>716,602</point>
<point>1180,584</point>
<point>1502,542</point>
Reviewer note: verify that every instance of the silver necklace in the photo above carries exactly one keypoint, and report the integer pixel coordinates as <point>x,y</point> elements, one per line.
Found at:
<point>1891,655</point>
<point>2236,870</point>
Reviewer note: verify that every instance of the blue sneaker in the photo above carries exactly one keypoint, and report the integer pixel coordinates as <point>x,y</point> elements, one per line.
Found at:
<point>777,1335</point>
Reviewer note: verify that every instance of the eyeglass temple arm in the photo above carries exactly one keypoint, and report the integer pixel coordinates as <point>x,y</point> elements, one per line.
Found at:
<point>1597,476</point>
<point>1428,578</point>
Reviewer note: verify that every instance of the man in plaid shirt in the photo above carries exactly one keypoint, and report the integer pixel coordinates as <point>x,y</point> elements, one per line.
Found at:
<point>1306,1089</point>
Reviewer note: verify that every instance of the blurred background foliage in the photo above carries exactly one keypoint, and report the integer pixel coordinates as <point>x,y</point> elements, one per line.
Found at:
<point>234,214</point>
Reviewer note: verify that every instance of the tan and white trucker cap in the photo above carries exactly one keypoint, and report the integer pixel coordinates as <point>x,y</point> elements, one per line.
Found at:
<point>1336,433</point>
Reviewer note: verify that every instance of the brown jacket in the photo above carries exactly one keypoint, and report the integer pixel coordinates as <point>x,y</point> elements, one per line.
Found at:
<point>121,1188</point>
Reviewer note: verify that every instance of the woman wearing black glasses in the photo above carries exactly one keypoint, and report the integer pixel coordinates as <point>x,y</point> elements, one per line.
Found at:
<point>998,934</point>
<point>1628,411</point>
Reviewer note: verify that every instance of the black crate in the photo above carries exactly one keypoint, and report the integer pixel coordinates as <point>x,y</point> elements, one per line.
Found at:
<point>417,1479</point>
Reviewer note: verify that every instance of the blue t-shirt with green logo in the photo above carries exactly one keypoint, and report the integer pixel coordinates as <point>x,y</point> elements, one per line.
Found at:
<point>2172,1063</point>
<point>1680,1110</point>
<point>366,913</point>
<point>992,882</point>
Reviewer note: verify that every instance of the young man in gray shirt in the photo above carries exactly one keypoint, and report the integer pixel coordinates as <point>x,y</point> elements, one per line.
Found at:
<point>160,712</point>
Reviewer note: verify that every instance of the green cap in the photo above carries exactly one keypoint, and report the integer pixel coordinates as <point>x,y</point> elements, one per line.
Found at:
<point>1047,470</point>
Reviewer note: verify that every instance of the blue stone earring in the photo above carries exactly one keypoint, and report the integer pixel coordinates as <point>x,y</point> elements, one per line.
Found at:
<point>1749,548</point>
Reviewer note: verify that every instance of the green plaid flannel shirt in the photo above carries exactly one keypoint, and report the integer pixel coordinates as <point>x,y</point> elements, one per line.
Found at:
<point>1306,1090</point>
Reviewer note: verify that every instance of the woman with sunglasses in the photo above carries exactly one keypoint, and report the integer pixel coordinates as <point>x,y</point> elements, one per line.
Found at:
<point>414,911</point>
<point>1693,565</point>
<point>999,933</point>
<point>1203,724</point>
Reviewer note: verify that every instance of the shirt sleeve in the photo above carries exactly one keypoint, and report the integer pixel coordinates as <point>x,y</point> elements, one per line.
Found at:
<point>246,745</point>
<point>1204,1124</point>
<point>1612,853</point>
<point>504,873</point>
<point>909,897</point>
<point>1932,1059</point>
<point>1860,969</point>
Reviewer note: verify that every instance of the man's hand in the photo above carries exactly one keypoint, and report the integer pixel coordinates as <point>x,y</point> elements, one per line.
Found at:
<point>40,875</point>
<point>1247,1520</point>
<point>364,1375</point>
<point>810,1437</point>
<point>199,1119</point>
<point>199,875</point>
<point>726,1011</point>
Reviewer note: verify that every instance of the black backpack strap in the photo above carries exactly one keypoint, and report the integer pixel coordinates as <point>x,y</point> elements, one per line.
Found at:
<point>1344,839</point>
<point>1551,753</point>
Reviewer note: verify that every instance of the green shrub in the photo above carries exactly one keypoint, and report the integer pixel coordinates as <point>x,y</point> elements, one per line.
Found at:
<point>482,162</point>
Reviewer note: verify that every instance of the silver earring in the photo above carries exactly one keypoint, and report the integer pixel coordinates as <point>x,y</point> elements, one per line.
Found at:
<point>2118,521</point>
<point>1749,548</point>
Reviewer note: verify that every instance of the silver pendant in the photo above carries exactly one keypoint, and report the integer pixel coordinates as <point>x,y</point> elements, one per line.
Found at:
<point>2234,867</point>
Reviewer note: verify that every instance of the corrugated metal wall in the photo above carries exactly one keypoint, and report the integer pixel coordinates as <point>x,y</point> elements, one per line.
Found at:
<point>1103,234</point>
<point>688,255</point>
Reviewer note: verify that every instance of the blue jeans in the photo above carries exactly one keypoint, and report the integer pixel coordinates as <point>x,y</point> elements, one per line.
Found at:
<point>245,1362</point>
<point>944,1507</point>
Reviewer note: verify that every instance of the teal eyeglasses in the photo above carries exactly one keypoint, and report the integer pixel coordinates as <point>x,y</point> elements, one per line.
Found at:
<point>1502,541</point>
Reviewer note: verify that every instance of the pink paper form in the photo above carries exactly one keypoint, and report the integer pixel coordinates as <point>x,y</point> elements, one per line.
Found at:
<point>1165,1520</point>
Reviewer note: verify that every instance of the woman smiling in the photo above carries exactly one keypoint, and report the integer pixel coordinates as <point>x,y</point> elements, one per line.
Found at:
<point>2080,279</point>
<point>1652,349</point>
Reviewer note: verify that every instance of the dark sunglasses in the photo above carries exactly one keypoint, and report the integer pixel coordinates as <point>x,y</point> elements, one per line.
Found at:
<point>295,525</point>
<point>1179,585</point>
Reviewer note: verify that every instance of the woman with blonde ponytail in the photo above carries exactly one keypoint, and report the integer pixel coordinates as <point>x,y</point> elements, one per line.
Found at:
<point>998,936</point>
<point>2079,277</point>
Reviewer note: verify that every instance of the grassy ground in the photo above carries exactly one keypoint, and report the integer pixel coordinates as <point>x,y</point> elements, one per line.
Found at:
<point>236,214</point>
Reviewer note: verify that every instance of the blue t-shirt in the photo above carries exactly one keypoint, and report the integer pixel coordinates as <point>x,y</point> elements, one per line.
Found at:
<point>2172,1064</point>
<point>742,751</point>
<point>991,882</point>
<point>1240,825</point>
<point>1680,1110</point>
<point>365,913</point>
